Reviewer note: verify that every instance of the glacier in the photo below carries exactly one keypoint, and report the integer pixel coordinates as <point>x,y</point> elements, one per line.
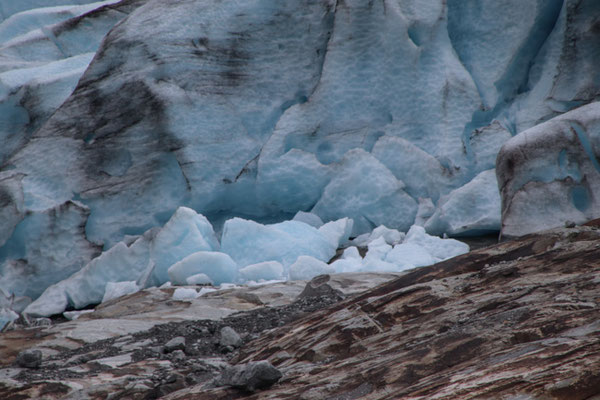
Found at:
<point>117,115</point>
<point>186,251</point>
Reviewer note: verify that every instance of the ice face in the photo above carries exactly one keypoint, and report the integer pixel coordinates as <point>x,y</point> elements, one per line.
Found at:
<point>378,199</point>
<point>387,113</point>
<point>45,248</point>
<point>43,53</point>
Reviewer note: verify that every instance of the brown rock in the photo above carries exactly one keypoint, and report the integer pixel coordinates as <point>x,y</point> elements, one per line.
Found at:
<point>516,319</point>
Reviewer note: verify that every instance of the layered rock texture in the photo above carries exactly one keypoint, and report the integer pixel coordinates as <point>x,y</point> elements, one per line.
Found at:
<point>387,112</point>
<point>516,320</point>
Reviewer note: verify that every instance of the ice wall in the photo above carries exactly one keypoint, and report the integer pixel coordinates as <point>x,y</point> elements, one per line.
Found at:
<point>386,112</point>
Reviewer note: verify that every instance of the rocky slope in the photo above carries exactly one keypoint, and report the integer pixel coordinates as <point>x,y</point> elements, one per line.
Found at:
<point>517,320</point>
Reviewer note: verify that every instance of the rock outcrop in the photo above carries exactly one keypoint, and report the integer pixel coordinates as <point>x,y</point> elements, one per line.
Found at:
<point>515,320</point>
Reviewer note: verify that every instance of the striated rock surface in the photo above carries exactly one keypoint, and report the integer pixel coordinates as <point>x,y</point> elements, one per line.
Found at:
<point>517,320</point>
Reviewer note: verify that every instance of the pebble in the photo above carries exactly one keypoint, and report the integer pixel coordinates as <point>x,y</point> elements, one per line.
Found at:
<point>177,343</point>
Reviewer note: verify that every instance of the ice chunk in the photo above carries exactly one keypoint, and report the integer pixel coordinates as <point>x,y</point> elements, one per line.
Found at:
<point>117,289</point>
<point>471,209</point>
<point>206,290</point>
<point>308,218</point>
<point>73,315</point>
<point>366,191</point>
<point>391,236</point>
<point>6,317</point>
<point>219,267</point>
<point>338,232</point>
<point>372,264</point>
<point>249,242</point>
<point>87,286</point>
<point>185,294</point>
<point>347,265</point>
<point>440,249</point>
<point>422,173</point>
<point>268,270</point>
<point>361,240</point>
<point>351,261</point>
<point>410,254</point>
<point>351,253</point>
<point>225,286</point>
<point>307,267</point>
<point>186,232</point>
<point>53,301</point>
<point>199,279</point>
<point>378,248</point>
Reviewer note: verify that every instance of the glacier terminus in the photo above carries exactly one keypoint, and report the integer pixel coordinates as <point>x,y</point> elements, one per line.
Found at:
<point>197,141</point>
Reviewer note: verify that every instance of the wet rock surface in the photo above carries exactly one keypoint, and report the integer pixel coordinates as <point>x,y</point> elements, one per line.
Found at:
<point>514,320</point>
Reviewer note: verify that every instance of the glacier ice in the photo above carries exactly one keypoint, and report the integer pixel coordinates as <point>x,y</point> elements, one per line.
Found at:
<point>43,53</point>
<point>249,242</point>
<point>471,209</point>
<point>409,255</point>
<point>6,317</point>
<point>199,279</point>
<point>219,267</point>
<point>267,271</point>
<point>73,315</point>
<point>440,249</point>
<point>307,267</point>
<point>42,251</point>
<point>115,290</point>
<point>185,294</point>
<point>249,252</point>
<point>185,233</point>
<point>553,166</point>
<point>308,218</point>
<point>337,232</point>
<point>146,260</point>
<point>378,199</point>
<point>388,113</point>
